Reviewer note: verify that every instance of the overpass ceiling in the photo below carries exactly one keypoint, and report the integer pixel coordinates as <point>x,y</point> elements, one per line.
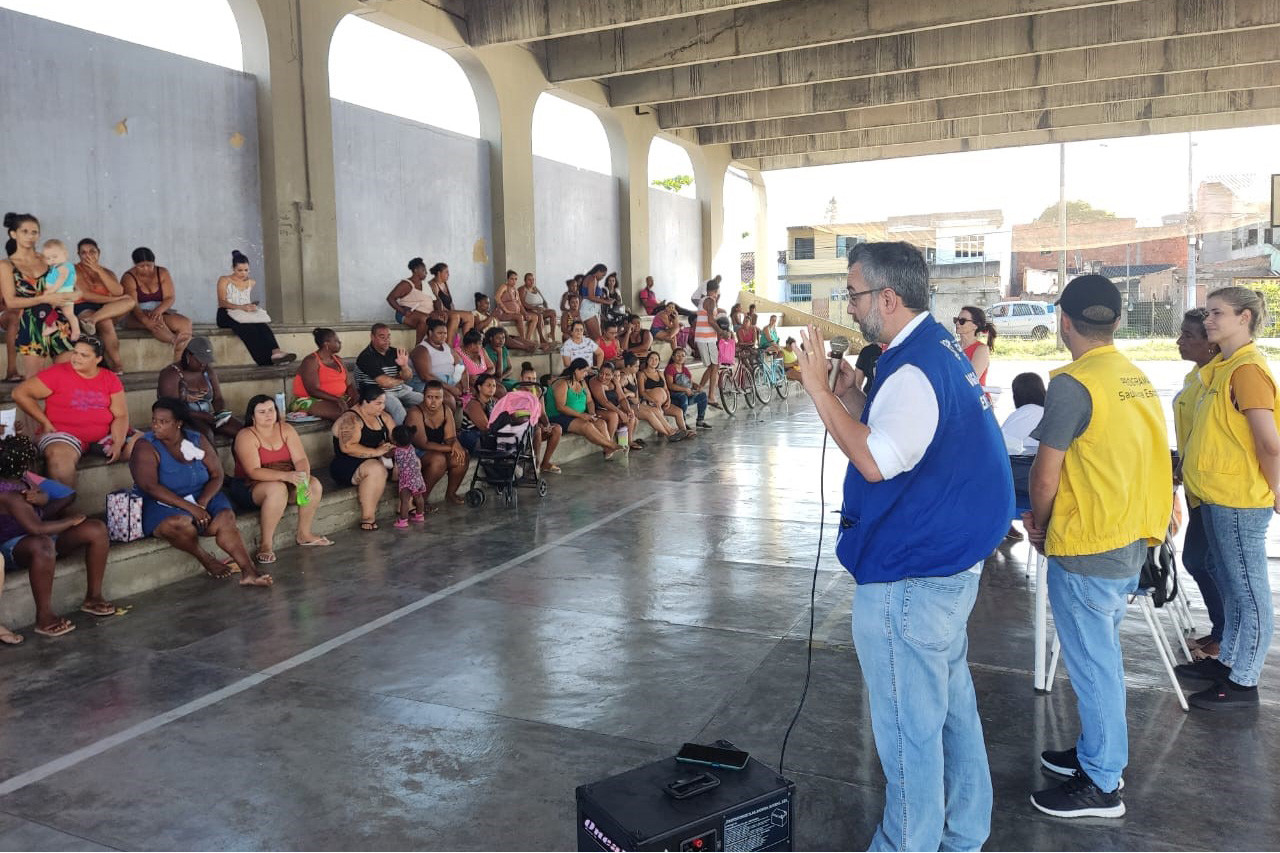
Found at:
<point>788,83</point>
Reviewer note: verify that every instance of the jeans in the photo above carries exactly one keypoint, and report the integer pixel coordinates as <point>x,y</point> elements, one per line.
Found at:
<point>1198,561</point>
<point>397,398</point>
<point>1237,543</point>
<point>682,400</point>
<point>1087,613</point>
<point>911,640</point>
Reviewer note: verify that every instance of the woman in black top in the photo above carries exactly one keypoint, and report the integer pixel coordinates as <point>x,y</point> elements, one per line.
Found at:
<point>362,451</point>
<point>436,438</point>
<point>460,322</point>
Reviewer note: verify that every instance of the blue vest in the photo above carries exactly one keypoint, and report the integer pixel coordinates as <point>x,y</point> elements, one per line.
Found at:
<point>951,510</point>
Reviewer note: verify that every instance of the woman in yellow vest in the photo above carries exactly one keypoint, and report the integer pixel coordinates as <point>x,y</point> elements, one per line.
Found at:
<point>1232,464</point>
<point>1194,346</point>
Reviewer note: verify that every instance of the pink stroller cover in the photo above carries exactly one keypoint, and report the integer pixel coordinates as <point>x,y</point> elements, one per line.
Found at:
<point>515,401</point>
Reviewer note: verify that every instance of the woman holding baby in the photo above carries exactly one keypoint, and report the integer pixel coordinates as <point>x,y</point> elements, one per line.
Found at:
<point>43,331</point>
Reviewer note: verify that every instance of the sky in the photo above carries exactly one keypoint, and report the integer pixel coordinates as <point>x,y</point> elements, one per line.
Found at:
<point>1142,177</point>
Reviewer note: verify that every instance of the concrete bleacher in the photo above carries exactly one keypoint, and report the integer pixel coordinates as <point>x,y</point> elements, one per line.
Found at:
<point>136,567</point>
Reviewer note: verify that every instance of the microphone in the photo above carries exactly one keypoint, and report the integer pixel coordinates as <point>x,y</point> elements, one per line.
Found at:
<point>839,346</point>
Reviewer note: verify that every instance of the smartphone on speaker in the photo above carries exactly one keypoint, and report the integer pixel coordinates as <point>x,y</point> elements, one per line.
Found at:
<point>712,756</point>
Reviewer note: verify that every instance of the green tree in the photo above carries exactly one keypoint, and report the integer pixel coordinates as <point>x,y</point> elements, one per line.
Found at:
<point>1077,211</point>
<point>673,184</point>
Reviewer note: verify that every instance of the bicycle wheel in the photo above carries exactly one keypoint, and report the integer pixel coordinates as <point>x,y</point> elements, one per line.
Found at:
<point>742,381</point>
<point>781,382</point>
<point>763,387</point>
<point>728,392</point>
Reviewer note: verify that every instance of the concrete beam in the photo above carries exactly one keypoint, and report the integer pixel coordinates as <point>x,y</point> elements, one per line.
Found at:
<point>938,48</point>
<point>1052,69</point>
<point>505,21</point>
<point>770,28</point>
<point>997,103</point>
<point>1145,127</point>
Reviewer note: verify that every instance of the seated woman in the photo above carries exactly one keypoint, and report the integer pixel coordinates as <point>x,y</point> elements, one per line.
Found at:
<point>34,534</point>
<point>84,411</point>
<point>482,318</point>
<point>666,325</point>
<point>571,286</point>
<point>104,301</point>
<point>178,472</point>
<point>547,432</point>
<point>495,347</point>
<point>1028,402</point>
<point>569,405</point>
<point>568,316</point>
<point>510,309</point>
<point>193,380</point>
<point>151,288</point>
<point>609,342</point>
<point>628,383</point>
<point>272,471</point>
<point>362,451</point>
<point>475,363</point>
<point>684,390</point>
<point>612,404</point>
<point>412,303</point>
<point>323,386</point>
<point>475,414</point>
<point>653,390</point>
<point>535,303</point>
<point>578,345</point>
<point>769,337</point>
<point>436,438</point>
<point>487,323</point>
<point>635,338</point>
<point>434,359</point>
<point>238,312</point>
<point>791,360</point>
<point>458,321</point>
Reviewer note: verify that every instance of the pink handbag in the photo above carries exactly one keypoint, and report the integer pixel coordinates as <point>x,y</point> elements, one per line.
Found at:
<point>728,351</point>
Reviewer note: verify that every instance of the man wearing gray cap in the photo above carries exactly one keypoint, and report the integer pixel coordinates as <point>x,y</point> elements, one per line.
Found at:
<point>1101,494</point>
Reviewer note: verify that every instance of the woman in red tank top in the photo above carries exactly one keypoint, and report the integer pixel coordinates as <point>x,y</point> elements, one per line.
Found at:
<point>272,471</point>
<point>971,322</point>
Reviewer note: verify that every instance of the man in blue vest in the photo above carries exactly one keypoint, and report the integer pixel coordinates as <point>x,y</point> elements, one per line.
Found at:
<point>927,497</point>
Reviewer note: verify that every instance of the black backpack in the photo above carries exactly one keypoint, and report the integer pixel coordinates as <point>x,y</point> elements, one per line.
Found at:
<point>1160,574</point>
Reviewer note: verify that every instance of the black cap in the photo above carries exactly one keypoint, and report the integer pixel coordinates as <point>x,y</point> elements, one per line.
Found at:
<point>1091,299</point>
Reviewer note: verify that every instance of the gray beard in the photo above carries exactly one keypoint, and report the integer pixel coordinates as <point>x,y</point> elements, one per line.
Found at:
<point>871,326</point>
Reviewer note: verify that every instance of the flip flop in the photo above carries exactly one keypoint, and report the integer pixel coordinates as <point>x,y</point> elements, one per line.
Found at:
<point>368,525</point>
<point>98,610</point>
<point>9,638</point>
<point>62,626</point>
<point>265,557</point>
<point>552,469</point>
<point>318,542</point>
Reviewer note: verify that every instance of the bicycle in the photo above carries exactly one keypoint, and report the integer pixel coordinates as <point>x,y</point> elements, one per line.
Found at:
<point>775,374</point>
<point>735,381</point>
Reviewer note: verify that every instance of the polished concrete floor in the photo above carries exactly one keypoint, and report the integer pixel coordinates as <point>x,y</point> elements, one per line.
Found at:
<point>448,687</point>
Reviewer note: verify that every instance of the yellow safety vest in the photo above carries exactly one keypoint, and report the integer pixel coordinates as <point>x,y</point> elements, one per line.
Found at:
<point>1116,485</point>
<point>1184,409</point>
<point>1220,464</point>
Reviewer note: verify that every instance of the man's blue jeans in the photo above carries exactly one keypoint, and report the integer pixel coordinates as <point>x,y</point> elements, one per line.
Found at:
<point>1198,561</point>
<point>1087,613</point>
<point>1238,545</point>
<point>912,646</point>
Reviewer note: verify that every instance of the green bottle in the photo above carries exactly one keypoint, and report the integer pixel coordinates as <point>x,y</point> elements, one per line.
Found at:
<point>304,492</point>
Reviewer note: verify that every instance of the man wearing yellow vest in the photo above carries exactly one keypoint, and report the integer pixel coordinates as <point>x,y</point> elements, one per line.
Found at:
<point>1101,494</point>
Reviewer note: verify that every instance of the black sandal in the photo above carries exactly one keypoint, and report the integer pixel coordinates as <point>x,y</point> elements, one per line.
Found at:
<point>368,525</point>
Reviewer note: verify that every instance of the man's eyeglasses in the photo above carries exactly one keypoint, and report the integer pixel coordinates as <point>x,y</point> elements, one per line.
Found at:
<point>960,321</point>
<point>855,294</point>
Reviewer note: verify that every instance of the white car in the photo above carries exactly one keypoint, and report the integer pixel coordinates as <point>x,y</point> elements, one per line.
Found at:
<point>1035,319</point>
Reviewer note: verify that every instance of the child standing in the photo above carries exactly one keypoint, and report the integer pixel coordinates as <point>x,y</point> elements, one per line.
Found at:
<point>61,278</point>
<point>412,487</point>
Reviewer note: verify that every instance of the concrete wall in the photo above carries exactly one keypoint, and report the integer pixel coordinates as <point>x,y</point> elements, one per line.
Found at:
<point>407,190</point>
<point>131,146</point>
<point>576,223</point>
<point>675,246</point>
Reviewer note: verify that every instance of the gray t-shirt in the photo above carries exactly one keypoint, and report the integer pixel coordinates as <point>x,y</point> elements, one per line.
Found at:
<point>1068,409</point>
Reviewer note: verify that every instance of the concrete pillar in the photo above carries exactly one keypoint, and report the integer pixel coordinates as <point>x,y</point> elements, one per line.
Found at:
<point>710,162</point>
<point>630,136</point>
<point>766,263</point>
<point>506,100</point>
<point>286,47</point>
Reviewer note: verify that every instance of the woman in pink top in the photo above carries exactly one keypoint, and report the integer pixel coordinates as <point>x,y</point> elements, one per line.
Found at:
<point>477,363</point>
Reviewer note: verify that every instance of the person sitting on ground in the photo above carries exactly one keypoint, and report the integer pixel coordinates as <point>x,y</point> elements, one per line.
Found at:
<point>1028,403</point>
<point>609,343</point>
<point>629,385</point>
<point>178,472</point>
<point>535,303</point>
<point>384,366</point>
<point>568,316</point>
<point>409,482</point>
<point>194,381</point>
<point>547,433</point>
<point>612,404</point>
<point>459,321</point>
<point>475,363</point>
<point>475,414</point>
<point>412,303</point>
<point>84,411</point>
<point>653,388</point>
<point>151,288</point>
<point>434,359</point>
<point>61,278</point>
<point>238,312</point>
<point>272,471</point>
<point>495,347</point>
<point>791,360</point>
<point>362,451</point>
<point>684,390</point>
<point>102,301</point>
<point>436,438</point>
<point>580,346</point>
<point>322,386</point>
<point>569,405</point>
<point>34,534</point>
<point>636,339</point>
<point>510,309</point>
<point>648,299</point>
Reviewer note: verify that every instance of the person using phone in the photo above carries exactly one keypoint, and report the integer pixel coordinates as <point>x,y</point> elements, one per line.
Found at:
<point>916,444</point>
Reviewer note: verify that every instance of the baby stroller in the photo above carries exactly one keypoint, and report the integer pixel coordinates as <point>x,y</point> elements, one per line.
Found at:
<point>505,457</point>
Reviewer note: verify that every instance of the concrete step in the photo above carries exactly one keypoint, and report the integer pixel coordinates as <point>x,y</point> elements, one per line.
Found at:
<point>137,567</point>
